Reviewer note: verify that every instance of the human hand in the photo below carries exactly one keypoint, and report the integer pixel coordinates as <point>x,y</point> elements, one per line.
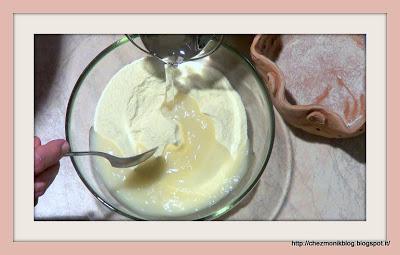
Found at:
<point>47,163</point>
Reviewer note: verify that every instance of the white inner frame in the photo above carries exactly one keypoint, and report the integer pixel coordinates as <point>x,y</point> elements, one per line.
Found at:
<point>26,25</point>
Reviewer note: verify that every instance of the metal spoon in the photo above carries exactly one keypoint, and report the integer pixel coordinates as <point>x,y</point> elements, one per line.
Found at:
<point>116,161</point>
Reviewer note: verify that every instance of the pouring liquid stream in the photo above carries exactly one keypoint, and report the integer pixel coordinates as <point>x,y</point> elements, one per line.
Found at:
<point>193,161</point>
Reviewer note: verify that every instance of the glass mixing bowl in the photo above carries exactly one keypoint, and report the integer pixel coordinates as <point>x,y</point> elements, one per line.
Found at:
<point>242,76</point>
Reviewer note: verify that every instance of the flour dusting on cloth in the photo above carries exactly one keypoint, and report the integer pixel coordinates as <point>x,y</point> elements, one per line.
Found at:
<point>328,70</point>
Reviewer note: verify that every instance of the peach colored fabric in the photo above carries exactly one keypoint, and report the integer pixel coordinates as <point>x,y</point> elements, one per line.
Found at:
<point>317,82</point>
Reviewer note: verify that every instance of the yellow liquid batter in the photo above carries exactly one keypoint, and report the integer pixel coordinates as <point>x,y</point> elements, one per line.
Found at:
<point>199,155</point>
<point>187,177</point>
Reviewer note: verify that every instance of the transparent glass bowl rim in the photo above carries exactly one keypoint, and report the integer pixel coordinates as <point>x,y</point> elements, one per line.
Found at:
<point>213,215</point>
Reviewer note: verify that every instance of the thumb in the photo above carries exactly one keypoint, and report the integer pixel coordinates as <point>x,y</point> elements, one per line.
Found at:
<point>49,154</point>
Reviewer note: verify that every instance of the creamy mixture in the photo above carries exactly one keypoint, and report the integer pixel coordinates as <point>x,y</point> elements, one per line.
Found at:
<point>194,117</point>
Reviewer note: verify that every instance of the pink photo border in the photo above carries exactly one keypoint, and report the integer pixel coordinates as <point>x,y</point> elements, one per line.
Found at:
<point>9,7</point>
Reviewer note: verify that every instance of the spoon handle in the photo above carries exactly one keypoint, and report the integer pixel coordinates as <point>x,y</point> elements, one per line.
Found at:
<point>116,161</point>
<point>85,153</point>
<point>107,156</point>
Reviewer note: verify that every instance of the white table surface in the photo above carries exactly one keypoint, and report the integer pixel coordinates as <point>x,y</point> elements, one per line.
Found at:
<point>328,176</point>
